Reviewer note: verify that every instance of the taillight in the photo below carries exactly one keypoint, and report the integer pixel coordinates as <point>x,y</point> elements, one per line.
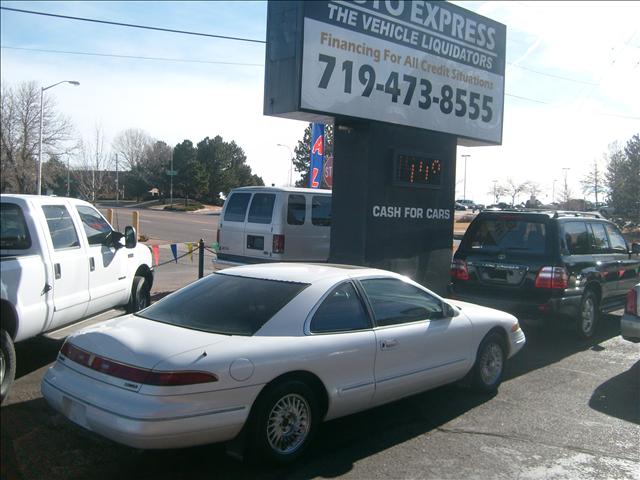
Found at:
<point>459,270</point>
<point>278,244</point>
<point>552,277</point>
<point>134,374</point>
<point>632,302</point>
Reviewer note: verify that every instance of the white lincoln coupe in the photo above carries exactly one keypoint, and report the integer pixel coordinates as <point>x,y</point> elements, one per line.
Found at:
<point>272,350</point>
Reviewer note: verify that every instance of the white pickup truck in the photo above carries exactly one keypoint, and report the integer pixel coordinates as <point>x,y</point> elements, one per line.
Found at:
<point>61,262</point>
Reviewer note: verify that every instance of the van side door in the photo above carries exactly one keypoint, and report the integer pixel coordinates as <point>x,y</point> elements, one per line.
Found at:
<point>70,263</point>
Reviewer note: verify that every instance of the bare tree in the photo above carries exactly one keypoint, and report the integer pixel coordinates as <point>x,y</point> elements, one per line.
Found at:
<point>130,144</point>
<point>19,131</point>
<point>92,175</point>
<point>497,191</point>
<point>514,189</point>
<point>594,181</point>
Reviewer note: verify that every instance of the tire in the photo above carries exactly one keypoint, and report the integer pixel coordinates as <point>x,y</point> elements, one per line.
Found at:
<point>7,364</point>
<point>490,362</point>
<point>587,316</point>
<point>283,422</point>
<point>140,295</point>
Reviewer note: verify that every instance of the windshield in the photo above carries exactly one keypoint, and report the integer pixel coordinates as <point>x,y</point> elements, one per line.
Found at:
<point>507,234</point>
<point>225,304</point>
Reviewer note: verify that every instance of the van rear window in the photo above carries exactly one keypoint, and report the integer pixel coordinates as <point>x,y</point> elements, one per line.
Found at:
<point>261,210</point>
<point>237,207</point>
<point>507,234</point>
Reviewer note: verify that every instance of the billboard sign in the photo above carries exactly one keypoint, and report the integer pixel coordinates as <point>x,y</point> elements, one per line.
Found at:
<point>429,65</point>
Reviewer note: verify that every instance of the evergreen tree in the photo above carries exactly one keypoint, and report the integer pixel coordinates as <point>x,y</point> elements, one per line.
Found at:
<point>623,177</point>
<point>192,179</point>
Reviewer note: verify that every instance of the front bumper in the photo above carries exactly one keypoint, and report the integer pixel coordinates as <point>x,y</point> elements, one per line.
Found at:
<point>143,421</point>
<point>630,327</point>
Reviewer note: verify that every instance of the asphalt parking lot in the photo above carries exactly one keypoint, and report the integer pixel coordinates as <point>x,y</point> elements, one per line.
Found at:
<point>567,409</point>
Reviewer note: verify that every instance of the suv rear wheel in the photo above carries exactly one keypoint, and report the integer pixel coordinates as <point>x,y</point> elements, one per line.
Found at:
<point>588,315</point>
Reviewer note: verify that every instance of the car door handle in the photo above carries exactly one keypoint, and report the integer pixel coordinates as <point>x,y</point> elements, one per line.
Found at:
<point>57,270</point>
<point>387,344</point>
<point>92,264</point>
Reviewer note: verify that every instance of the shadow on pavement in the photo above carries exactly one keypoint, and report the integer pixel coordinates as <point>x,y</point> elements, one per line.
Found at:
<point>548,345</point>
<point>618,396</point>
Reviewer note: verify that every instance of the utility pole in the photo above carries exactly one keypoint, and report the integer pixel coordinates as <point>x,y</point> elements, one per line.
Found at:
<point>553,191</point>
<point>566,186</point>
<point>596,181</point>
<point>171,175</point>
<point>495,196</point>
<point>68,183</point>
<point>117,186</point>
<point>464,191</point>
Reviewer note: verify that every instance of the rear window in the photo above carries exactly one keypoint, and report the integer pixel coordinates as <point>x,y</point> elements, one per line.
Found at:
<point>261,210</point>
<point>321,210</point>
<point>225,304</point>
<point>14,234</point>
<point>237,207</point>
<point>513,234</point>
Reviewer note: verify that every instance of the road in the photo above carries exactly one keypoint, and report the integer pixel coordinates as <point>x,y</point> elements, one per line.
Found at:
<point>169,227</point>
<point>568,409</point>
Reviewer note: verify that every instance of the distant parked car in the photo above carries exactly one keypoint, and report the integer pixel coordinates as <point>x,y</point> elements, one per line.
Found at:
<point>630,322</point>
<point>470,204</point>
<point>276,347</point>
<point>545,265</point>
<point>460,207</point>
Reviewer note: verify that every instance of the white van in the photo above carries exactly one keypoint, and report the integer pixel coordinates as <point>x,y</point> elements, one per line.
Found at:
<point>275,224</point>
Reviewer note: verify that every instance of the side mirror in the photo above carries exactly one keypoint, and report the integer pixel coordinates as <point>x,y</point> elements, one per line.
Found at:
<point>449,311</point>
<point>130,237</point>
<point>635,247</point>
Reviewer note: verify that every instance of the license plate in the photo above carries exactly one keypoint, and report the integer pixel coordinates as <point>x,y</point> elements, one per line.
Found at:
<point>74,411</point>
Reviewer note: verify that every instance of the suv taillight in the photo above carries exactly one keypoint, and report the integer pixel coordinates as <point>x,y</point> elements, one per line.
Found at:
<point>632,303</point>
<point>278,244</point>
<point>459,270</point>
<point>552,277</point>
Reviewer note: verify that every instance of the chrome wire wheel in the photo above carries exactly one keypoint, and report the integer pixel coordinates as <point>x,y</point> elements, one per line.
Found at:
<point>587,315</point>
<point>491,364</point>
<point>288,424</point>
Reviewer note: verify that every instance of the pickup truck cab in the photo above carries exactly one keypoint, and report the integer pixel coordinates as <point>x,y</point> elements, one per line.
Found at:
<point>62,262</point>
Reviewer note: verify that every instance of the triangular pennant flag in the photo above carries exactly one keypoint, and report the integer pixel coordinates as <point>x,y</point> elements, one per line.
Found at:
<point>174,250</point>
<point>215,246</point>
<point>156,252</point>
<point>190,249</point>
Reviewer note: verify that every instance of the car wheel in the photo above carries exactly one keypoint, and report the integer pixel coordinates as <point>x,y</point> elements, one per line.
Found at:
<point>489,366</point>
<point>588,315</point>
<point>7,364</point>
<point>284,422</point>
<point>140,295</point>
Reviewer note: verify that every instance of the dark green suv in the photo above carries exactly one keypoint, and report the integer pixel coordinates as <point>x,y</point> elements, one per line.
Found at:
<point>545,265</point>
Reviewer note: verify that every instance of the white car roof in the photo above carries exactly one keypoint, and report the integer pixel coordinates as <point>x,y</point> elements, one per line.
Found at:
<point>302,272</point>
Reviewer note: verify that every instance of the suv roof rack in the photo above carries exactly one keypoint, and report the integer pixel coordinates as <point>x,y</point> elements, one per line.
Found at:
<point>571,213</point>
<point>551,213</point>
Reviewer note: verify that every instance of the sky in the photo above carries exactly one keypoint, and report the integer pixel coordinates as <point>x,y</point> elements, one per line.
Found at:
<point>571,82</point>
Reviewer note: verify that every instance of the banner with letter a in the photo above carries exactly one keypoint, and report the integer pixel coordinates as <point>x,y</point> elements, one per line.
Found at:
<point>317,155</point>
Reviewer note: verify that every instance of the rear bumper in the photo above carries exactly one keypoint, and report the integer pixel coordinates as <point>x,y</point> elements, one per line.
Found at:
<point>534,310</point>
<point>630,327</point>
<point>142,421</point>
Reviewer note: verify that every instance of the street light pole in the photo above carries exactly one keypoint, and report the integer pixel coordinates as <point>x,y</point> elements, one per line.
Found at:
<point>42,89</point>
<point>464,192</point>
<point>291,167</point>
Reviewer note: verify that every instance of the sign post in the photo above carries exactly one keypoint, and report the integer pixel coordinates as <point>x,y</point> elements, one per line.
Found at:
<point>404,83</point>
